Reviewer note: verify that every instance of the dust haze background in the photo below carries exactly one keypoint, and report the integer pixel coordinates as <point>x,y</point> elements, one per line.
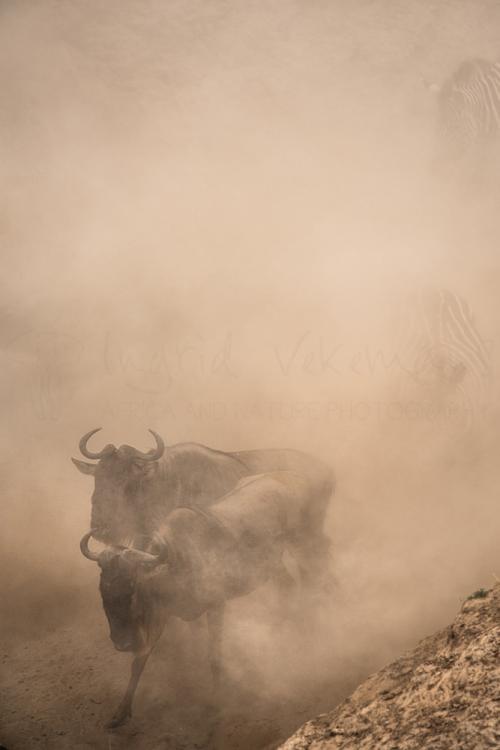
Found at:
<point>212,213</point>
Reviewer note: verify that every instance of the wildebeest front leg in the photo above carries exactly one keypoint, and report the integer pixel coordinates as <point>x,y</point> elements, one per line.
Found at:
<point>124,710</point>
<point>215,622</point>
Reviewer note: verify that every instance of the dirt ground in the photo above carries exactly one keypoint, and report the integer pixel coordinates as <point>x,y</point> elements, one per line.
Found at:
<point>60,690</point>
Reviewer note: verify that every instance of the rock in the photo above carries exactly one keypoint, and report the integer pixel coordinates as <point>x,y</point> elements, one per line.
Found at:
<point>443,695</point>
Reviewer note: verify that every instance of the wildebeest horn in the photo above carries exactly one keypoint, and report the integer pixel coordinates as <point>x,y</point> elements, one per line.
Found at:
<point>138,557</point>
<point>84,546</point>
<point>131,555</point>
<point>153,454</point>
<point>83,446</point>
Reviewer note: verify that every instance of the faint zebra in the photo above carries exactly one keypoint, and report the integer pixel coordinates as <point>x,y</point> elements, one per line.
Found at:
<point>469,110</point>
<point>444,358</point>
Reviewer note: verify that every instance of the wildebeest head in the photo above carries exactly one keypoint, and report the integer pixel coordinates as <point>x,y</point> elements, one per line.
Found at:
<point>118,477</point>
<point>122,569</point>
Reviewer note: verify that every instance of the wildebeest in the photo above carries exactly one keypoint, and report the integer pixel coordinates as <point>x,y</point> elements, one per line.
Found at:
<point>135,491</point>
<point>197,561</point>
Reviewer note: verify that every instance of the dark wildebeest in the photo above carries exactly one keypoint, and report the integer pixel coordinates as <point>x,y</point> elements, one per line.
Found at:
<point>135,491</point>
<point>197,561</point>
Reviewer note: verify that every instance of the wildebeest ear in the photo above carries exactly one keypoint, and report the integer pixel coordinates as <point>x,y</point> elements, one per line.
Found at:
<point>84,467</point>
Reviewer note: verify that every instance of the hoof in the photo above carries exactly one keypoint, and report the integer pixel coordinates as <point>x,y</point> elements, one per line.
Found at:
<point>118,720</point>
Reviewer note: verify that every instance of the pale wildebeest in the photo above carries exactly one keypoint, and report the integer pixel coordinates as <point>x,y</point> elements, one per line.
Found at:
<point>135,491</point>
<point>198,560</point>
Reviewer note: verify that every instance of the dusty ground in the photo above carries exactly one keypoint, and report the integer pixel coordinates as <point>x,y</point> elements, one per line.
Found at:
<point>443,695</point>
<point>60,690</point>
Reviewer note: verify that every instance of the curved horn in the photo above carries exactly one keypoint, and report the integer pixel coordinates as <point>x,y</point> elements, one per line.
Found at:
<point>153,454</point>
<point>84,547</point>
<point>83,446</point>
<point>138,557</point>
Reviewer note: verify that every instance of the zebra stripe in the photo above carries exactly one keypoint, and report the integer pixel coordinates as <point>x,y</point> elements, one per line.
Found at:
<point>469,106</point>
<point>443,353</point>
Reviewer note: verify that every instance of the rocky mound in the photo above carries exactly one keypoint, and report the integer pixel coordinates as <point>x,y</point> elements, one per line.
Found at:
<point>444,695</point>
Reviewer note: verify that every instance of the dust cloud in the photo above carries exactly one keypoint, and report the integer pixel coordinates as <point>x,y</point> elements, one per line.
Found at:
<point>214,215</point>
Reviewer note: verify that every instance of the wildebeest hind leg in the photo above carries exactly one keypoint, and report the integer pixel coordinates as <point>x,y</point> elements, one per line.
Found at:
<point>215,622</point>
<point>311,547</point>
<point>286,591</point>
<point>312,554</point>
<point>124,710</point>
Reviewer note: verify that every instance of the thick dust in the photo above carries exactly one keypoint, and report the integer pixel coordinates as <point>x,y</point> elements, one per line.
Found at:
<point>215,215</point>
